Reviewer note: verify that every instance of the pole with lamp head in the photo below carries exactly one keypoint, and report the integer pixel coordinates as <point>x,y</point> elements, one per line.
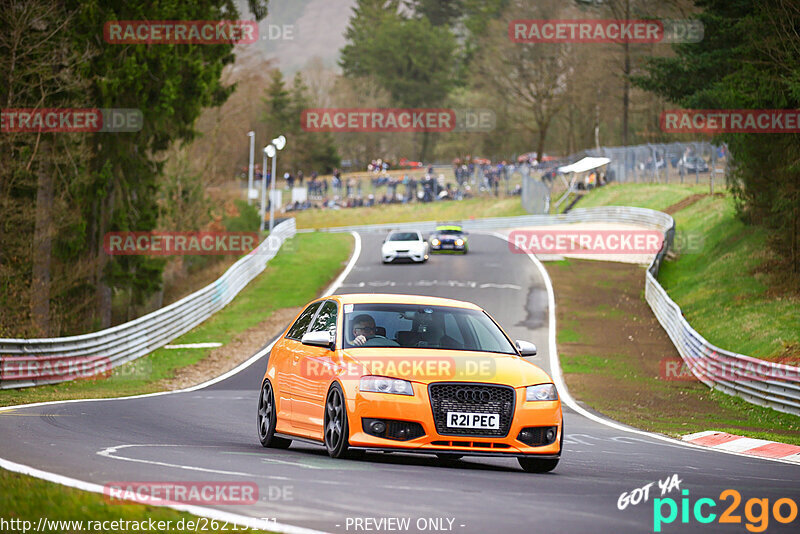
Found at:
<point>252,136</point>
<point>268,151</point>
<point>278,143</point>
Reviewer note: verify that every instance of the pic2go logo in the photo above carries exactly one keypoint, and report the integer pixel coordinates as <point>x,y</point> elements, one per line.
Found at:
<point>756,511</point>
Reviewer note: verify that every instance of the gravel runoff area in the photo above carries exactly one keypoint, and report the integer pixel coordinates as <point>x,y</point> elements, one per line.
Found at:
<point>224,358</point>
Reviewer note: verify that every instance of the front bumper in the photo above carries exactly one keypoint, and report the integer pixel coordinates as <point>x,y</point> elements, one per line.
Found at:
<point>443,249</point>
<point>417,408</point>
<point>413,255</point>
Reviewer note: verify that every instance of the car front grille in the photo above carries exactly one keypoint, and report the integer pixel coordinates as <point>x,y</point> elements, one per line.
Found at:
<point>471,398</point>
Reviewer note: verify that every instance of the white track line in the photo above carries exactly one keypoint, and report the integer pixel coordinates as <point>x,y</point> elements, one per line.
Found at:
<point>202,511</point>
<point>558,378</point>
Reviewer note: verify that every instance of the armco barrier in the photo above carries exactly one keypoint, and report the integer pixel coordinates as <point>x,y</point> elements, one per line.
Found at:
<point>757,381</point>
<point>30,362</point>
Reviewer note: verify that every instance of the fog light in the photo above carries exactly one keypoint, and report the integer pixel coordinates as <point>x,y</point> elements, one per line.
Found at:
<point>392,429</point>
<point>378,427</point>
<point>537,436</point>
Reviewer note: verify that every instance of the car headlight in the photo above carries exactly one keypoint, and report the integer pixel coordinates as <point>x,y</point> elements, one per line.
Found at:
<point>382,384</point>
<point>459,242</point>
<point>435,242</point>
<point>541,392</point>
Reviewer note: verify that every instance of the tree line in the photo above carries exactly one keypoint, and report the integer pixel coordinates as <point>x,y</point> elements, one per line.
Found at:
<point>749,59</point>
<point>60,193</point>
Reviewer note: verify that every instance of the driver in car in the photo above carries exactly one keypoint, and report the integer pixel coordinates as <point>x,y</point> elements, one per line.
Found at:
<point>364,333</point>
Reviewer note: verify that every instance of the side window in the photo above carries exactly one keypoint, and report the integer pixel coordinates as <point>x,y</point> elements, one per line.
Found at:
<point>326,319</point>
<point>301,324</point>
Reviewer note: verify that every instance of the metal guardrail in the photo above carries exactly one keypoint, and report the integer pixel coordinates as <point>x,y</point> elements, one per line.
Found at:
<point>31,362</point>
<point>619,214</point>
<point>757,381</point>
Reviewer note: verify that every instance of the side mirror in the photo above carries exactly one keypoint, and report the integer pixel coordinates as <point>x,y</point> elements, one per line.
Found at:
<point>525,348</point>
<point>321,338</point>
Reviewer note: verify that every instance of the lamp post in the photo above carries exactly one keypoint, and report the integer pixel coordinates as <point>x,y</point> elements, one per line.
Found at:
<point>263,209</point>
<point>269,152</point>
<point>252,136</point>
<point>277,144</point>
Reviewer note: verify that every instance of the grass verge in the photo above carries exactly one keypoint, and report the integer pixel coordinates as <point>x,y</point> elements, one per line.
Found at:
<point>613,351</point>
<point>653,196</point>
<point>302,268</point>
<point>450,210</point>
<point>719,277</point>
<point>58,503</point>
<point>613,354</point>
<point>722,284</point>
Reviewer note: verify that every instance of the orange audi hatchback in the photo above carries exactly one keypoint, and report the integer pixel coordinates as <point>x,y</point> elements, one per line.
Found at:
<point>407,373</point>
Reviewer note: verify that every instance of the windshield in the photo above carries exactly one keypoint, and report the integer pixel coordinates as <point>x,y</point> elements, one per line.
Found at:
<point>430,327</point>
<point>404,236</point>
<point>450,232</point>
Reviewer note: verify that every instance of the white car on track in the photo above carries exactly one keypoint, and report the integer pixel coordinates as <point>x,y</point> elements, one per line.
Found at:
<point>404,246</point>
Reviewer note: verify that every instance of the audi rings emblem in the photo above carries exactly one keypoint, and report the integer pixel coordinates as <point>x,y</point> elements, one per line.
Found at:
<point>473,395</point>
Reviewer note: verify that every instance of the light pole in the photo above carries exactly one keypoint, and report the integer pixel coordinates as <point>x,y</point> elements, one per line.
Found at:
<point>263,210</point>
<point>269,152</point>
<point>277,144</point>
<point>252,136</point>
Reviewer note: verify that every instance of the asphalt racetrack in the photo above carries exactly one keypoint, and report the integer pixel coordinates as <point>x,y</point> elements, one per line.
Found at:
<point>210,435</point>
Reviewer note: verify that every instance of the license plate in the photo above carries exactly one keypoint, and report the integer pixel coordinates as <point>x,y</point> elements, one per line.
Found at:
<point>447,246</point>
<point>490,421</point>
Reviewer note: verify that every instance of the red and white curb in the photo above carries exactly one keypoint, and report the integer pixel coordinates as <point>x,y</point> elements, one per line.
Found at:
<point>755,447</point>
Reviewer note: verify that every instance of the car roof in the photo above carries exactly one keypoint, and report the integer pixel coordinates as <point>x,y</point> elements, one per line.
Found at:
<point>387,298</point>
<point>449,227</point>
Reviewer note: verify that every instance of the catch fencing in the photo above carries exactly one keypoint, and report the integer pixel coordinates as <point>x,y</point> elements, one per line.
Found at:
<point>690,163</point>
<point>31,362</point>
<point>758,381</point>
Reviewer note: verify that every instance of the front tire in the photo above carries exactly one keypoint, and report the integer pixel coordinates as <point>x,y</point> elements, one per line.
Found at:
<point>267,419</point>
<point>336,425</point>
<point>537,465</point>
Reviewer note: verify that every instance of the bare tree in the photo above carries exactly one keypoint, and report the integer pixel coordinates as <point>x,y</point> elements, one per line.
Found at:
<point>532,78</point>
